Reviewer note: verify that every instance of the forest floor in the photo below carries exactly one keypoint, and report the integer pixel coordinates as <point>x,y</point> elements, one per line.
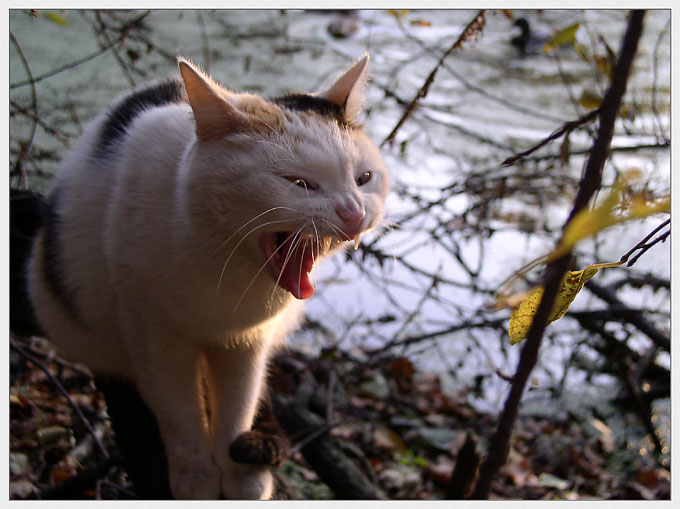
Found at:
<point>400,428</point>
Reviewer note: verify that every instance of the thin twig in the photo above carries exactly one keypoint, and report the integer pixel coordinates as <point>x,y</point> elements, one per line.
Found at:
<point>634,317</point>
<point>623,366</point>
<point>61,389</point>
<point>104,32</point>
<point>471,30</point>
<point>34,106</point>
<point>84,59</point>
<point>483,324</point>
<point>657,116</point>
<point>565,129</point>
<point>36,118</point>
<point>81,370</point>
<point>205,41</point>
<point>644,246</point>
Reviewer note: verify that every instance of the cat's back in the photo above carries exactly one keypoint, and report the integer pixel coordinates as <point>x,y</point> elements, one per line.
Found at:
<point>124,160</point>
<point>155,116</point>
<point>126,157</point>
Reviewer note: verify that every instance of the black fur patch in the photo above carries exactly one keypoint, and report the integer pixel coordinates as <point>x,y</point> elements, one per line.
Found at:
<point>52,257</point>
<point>319,105</point>
<point>26,213</point>
<point>120,118</point>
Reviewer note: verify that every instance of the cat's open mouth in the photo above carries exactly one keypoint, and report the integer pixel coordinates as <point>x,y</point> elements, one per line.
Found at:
<point>291,257</point>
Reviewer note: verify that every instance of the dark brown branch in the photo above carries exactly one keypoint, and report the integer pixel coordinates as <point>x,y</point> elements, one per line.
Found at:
<point>565,129</point>
<point>465,471</point>
<point>626,148</point>
<point>484,324</point>
<point>499,443</point>
<point>471,30</point>
<point>323,455</point>
<point>636,318</point>
<point>623,361</point>
<point>644,246</point>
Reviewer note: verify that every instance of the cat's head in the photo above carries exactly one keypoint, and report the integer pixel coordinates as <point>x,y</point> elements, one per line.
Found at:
<point>284,180</point>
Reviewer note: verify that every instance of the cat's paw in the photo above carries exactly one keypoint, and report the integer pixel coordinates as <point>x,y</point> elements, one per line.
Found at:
<point>195,481</point>
<point>259,448</point>
<point>247,482</point>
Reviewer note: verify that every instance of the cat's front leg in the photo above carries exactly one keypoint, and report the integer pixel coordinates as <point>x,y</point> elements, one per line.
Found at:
<point>266,443</point>
<point>236,377</point>
<point>167,379</point>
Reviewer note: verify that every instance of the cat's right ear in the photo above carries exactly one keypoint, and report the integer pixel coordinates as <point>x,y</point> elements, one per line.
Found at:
<point>214,116</point>
<point>348,91</point>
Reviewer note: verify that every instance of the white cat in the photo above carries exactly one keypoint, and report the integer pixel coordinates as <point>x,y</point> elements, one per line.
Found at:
<point>180,228</point>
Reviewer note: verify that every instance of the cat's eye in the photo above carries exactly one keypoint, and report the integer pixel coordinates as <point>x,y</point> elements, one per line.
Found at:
<point>364,178</point>
<point>305,184</point>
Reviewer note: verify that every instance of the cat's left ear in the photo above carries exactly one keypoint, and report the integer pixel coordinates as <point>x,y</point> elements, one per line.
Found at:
<point>214,115</point>
<point>348,91</point>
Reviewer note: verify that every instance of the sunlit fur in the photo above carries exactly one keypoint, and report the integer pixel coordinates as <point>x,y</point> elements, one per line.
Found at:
<point>159,250</point>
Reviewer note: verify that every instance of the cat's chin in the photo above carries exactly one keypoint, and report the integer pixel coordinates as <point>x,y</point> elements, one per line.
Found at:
<point>291,257</point>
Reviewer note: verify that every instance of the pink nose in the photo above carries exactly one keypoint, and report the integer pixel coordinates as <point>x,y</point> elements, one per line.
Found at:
<point>352,217</point>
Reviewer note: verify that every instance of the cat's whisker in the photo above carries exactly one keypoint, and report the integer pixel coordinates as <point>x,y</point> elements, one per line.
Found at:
<point>253,219</point>
<point>297,238</point>
<point>278,145</point>
<point>318,242</point>
<point>283,159</point>
<point>338,232</point>
<point>219,282</point>
<point>259,271</point>
<point>389,225</point>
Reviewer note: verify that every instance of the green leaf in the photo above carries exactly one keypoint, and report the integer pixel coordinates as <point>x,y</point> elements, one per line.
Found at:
<point>56,18</point>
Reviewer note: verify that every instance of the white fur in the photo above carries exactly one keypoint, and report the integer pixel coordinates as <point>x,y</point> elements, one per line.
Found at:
<point>144,241</point>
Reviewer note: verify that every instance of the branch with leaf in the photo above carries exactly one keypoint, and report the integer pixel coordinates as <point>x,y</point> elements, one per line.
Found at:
<point>499,443</point>
<point>618,207</point>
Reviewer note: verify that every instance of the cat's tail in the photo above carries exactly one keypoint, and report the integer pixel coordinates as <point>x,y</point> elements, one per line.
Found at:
<point>26,216</point>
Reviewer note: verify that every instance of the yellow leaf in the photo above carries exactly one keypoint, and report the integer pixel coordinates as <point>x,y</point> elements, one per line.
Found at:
<point>400,14</point>
<point>56,18</point>
<point>522,316</point>
<point>581,51</point>
<point>590,100</point>
<point>613,210</point>
<point>507,13</point>
<point>566,36</point>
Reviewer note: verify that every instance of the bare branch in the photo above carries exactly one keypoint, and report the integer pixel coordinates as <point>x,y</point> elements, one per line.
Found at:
<point>643,246</point>
<point>565,129</point>
<point>471,30</point>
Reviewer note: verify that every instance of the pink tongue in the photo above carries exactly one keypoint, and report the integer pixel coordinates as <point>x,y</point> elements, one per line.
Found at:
<point>298,264</point>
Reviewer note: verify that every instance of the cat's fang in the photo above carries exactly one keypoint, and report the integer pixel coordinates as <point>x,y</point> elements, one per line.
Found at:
<point>356,241</point>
